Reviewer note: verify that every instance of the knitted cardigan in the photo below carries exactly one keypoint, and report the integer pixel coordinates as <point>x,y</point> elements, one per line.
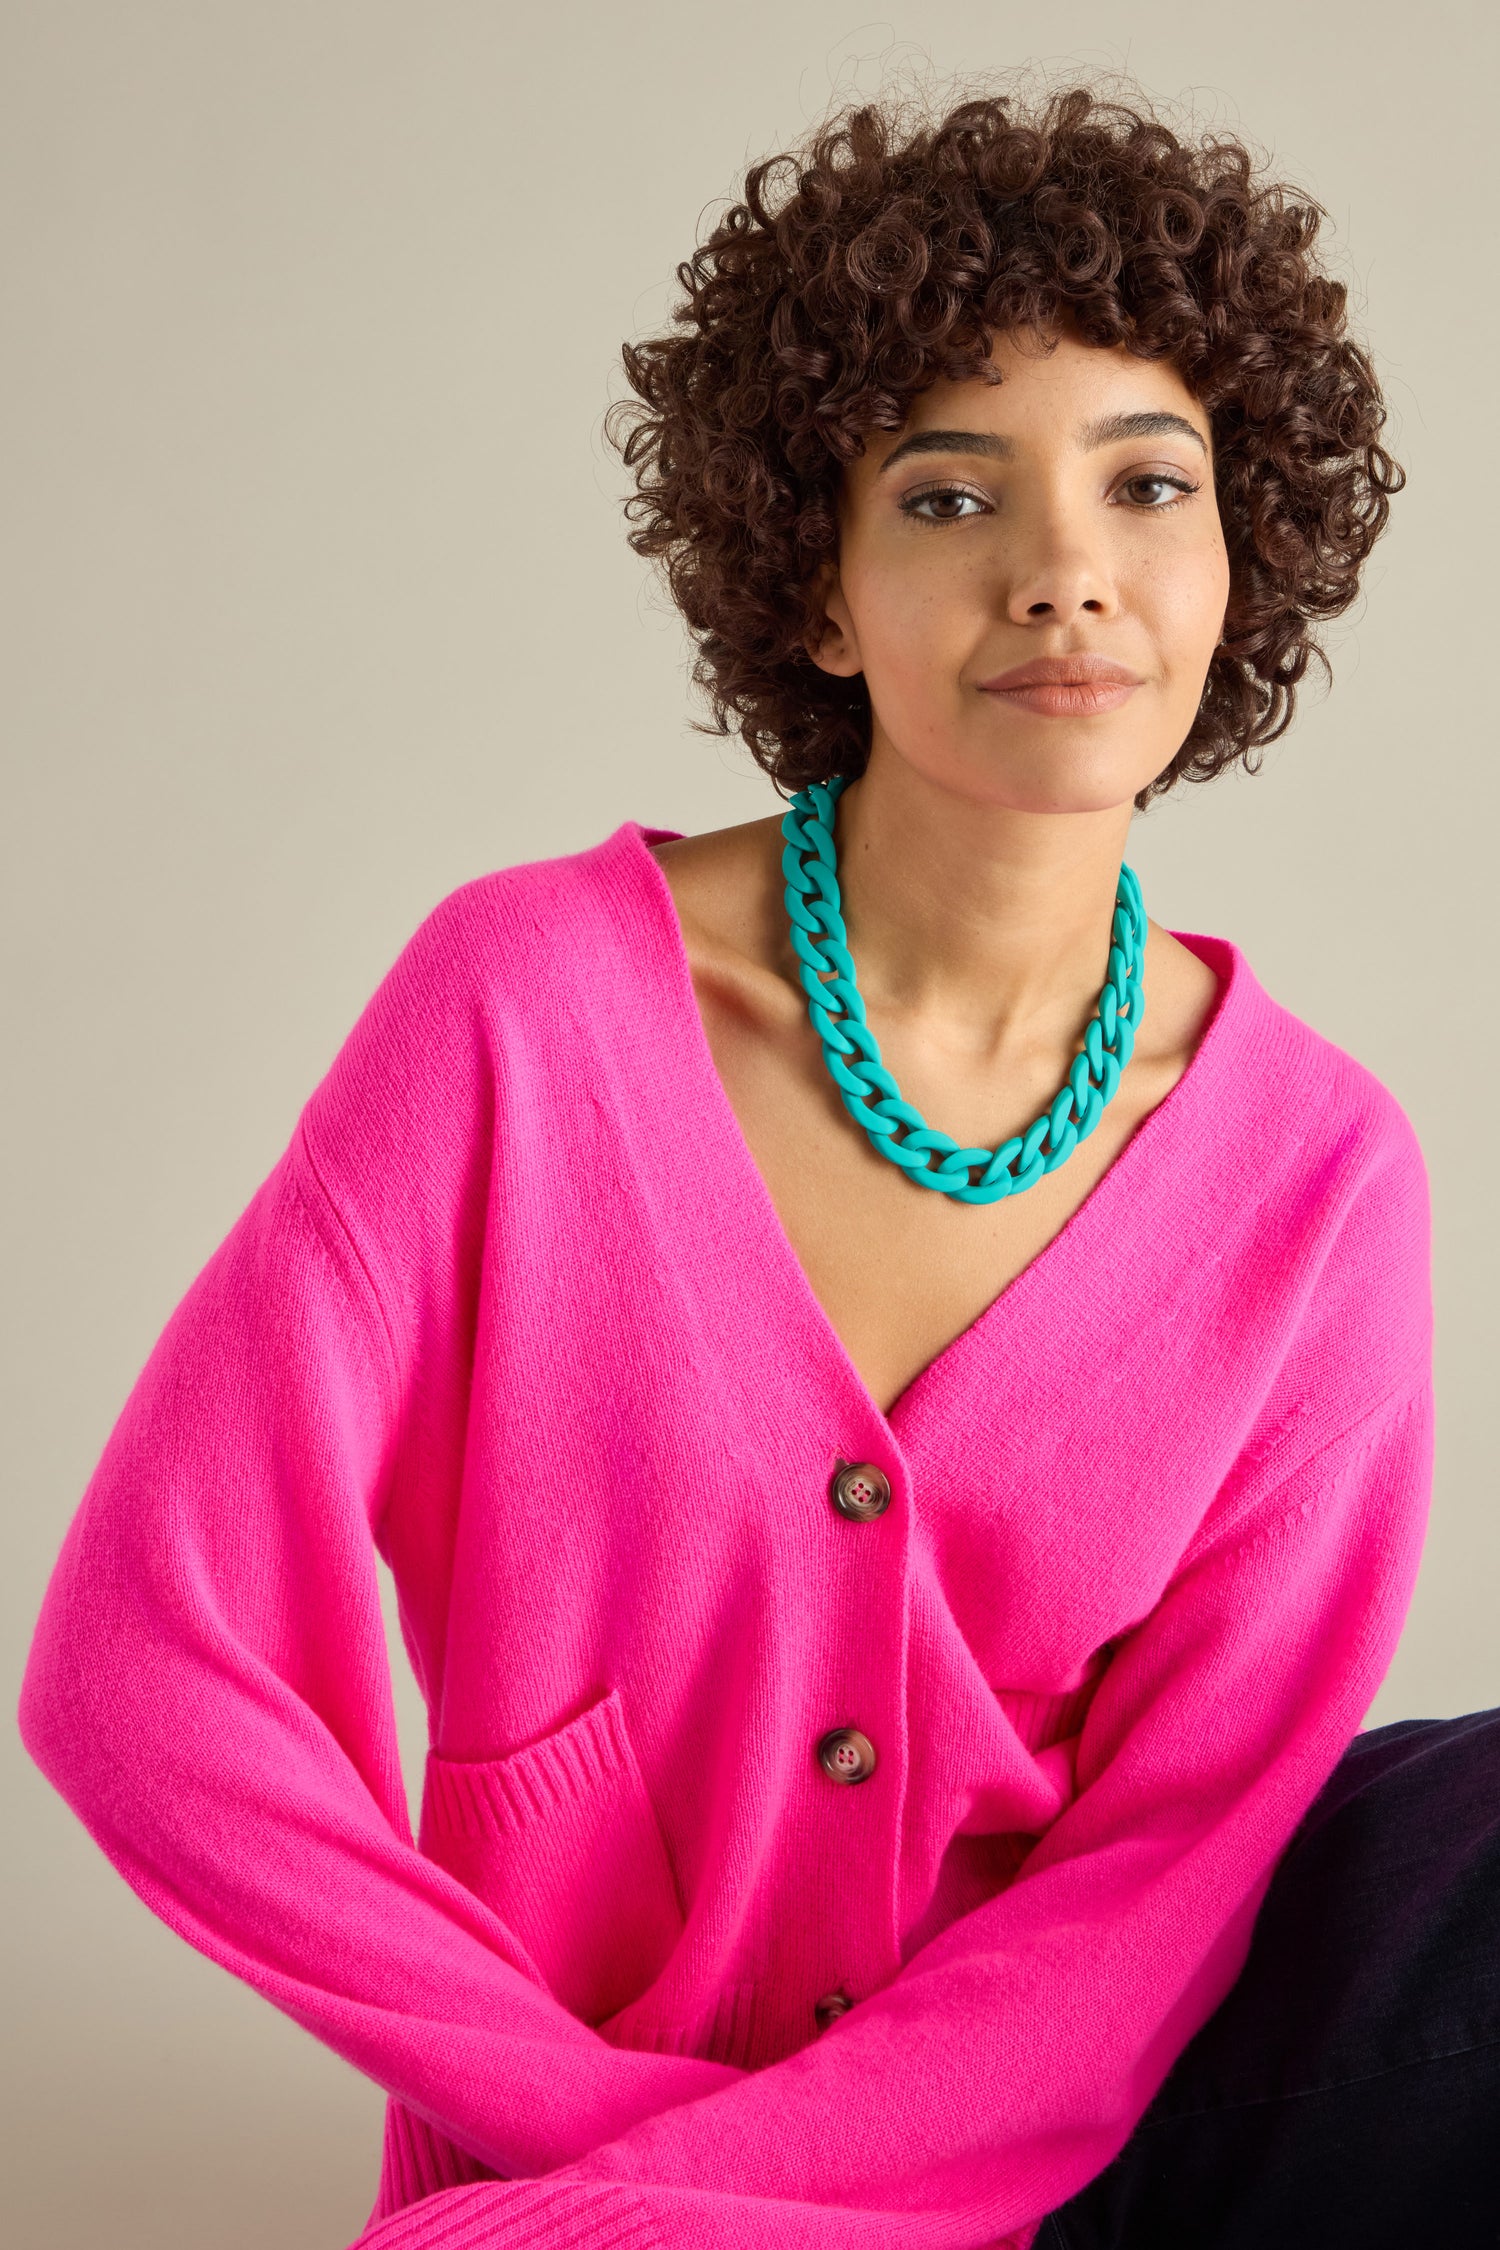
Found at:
<point>514,1310</point>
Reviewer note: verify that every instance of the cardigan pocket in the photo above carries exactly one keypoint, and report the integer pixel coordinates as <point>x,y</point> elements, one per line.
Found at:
<point>561,1840</point>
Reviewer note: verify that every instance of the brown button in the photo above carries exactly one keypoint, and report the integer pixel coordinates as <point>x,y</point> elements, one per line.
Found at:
<point>861,1490</point>
<point>847,1754</point>
<point>830,2007</point>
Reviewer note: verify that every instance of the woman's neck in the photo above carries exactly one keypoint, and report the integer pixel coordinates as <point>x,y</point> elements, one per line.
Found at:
<point>990,925</point>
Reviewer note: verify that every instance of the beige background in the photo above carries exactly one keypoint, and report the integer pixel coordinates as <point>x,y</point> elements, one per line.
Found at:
<point>318,604</point>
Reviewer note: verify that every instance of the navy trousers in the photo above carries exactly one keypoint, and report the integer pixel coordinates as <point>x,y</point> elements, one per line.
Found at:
<point>1346,2093</point>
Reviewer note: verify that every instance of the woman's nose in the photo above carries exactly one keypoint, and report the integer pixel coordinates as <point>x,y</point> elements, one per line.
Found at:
<point>1057,576</point>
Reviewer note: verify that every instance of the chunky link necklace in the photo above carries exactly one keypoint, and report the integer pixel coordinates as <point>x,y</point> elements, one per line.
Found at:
<point>871,1095</point>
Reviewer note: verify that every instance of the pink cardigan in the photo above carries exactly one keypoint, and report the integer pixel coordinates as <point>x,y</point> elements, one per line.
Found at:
<point>515,1309</point>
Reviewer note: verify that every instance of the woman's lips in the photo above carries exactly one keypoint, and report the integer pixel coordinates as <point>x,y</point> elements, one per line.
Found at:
<point>1064,687</point>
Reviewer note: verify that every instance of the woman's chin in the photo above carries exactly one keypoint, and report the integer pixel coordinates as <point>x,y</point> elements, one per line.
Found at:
<point>1091,787</point>
<point>1060,770</point>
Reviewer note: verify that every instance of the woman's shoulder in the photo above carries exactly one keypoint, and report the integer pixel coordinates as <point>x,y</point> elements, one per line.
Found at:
<point>1295,1086</point>
<point>547,907</point>
<point>489,989</point>
<point>1311,1140</point>
<point>579,931</point>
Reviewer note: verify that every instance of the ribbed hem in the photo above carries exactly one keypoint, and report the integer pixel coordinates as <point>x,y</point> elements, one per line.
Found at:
<point>418,2161</point>
<point>557,2214</point>
<point>520,2215</point>
<point>503,1795</point>
<point>1041,1721</point>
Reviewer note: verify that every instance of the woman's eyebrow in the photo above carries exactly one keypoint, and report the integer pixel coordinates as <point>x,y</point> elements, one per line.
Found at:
<point>1109,430</point>
<point>950,441</point>
<point>1112,427</point>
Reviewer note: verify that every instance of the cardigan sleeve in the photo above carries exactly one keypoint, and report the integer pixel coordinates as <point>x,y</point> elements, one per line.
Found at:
<point>208,1688</point>
<point>1012,2056</point>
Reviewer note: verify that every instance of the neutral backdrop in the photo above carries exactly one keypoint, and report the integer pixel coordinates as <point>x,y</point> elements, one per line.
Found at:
<point>317,604</point>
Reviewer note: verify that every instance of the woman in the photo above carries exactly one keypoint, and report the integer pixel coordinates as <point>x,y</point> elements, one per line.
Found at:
<point>898,1516</point>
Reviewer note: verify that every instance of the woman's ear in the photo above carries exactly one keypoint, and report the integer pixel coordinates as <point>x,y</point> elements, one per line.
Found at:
<point>835,646</point>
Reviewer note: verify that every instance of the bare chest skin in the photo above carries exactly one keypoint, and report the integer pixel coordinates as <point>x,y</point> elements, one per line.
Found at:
<point>900,1271</point>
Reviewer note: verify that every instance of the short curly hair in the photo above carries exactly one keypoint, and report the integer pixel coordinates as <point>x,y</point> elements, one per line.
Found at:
<point>885,252</point>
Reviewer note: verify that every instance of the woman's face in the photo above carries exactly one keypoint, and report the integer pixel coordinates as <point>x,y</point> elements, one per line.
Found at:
<point>1066,514</point>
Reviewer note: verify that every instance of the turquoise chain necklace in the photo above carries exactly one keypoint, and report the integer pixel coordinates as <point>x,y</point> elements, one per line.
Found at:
<point>871,1095</point>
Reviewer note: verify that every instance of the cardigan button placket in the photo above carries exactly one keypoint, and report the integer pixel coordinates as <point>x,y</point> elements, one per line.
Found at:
<point>830,2008</point>
<point>860,1490</point>
<point>847,1755</point>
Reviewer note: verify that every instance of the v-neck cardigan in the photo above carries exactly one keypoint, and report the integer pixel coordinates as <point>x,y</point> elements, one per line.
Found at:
<point>515,1311</point>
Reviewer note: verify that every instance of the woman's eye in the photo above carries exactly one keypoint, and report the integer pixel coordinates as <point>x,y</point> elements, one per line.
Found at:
<point>943,504</point>
<point>1154,490</point>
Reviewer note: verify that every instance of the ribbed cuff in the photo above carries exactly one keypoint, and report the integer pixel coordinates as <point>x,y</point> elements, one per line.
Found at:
<point>519,2215</point>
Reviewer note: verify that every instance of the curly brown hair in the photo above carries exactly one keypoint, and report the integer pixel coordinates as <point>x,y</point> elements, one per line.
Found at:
<point>882,254</point>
